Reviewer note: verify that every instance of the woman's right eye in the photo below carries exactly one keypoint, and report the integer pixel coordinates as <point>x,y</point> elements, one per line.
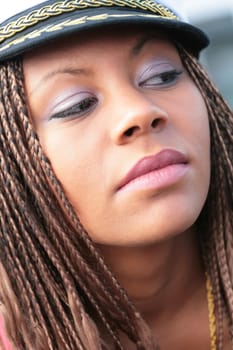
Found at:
<point>77,109</point>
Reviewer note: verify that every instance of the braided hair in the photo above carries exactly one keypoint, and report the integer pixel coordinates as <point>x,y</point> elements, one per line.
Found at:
<point>215,224</point>
<point>56,291</point>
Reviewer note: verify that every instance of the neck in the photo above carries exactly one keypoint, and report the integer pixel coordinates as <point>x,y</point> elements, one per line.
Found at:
<point>159,277</point>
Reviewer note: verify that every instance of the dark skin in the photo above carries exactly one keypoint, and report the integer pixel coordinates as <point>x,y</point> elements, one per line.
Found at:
<point>156,259</point>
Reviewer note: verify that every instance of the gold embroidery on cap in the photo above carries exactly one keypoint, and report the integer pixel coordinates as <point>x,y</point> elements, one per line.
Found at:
<point>64,6</point>
<point>68,23</point>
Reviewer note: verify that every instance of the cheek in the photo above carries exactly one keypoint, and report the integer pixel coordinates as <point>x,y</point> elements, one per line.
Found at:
<point>197,133</point>
<point>78,164</point>
<point>192,119</point>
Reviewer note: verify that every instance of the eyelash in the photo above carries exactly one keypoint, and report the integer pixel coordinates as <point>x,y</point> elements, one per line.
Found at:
<point>79,109</point>
<point>167,77</point>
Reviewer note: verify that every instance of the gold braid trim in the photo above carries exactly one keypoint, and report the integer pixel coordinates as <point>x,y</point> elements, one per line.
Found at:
<point>60,7</point>
<point>212,318</point>
<point>68,23</point>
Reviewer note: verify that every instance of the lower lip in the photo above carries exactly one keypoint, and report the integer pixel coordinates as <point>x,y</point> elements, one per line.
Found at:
<point>158,179</point>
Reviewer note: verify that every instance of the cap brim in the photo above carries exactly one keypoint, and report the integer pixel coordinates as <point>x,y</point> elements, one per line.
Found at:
<point>78,21</point>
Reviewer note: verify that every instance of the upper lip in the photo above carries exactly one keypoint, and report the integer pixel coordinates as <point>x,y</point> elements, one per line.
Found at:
<point>157,161</point>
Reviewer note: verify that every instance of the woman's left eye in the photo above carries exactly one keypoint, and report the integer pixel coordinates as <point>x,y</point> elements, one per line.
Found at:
<point>165,79</point>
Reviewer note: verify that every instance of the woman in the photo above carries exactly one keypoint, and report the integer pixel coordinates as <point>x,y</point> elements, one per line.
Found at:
<point>116,177</point>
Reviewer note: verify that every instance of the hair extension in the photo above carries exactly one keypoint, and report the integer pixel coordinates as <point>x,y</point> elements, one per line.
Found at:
<point>49,265</point>
<point>216,222</point>
<point>55,272</point>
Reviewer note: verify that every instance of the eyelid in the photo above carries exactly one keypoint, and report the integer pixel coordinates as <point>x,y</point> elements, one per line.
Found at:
<point>77,110</point>
<point>157,66</point>
<point>65,100</point>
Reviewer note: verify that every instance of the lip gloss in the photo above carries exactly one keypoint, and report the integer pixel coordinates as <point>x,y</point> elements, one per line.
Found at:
<point>157,179</point>
<point>159,170</point>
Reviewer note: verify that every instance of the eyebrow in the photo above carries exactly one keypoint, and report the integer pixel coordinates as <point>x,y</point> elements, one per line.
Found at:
<point>65,70</point>
<point>142,42</point>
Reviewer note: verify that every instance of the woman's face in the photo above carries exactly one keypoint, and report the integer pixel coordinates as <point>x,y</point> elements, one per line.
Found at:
<point>126,131</point>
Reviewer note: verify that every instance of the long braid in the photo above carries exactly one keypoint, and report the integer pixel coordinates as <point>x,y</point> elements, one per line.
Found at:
<point>56,256</point>
<point>22,241</point>
<point>140,329</point>
<point>110,280</point>
<point>13,201</point>
<point>217,215</point>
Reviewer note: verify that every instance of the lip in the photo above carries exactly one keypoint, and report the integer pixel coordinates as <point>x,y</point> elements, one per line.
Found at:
<point>162,160</point>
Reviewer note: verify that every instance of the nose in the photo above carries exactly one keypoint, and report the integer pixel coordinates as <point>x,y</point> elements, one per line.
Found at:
<point>136,115</point>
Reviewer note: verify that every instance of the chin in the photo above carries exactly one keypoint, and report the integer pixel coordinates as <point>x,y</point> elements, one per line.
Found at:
<point>160,219</point>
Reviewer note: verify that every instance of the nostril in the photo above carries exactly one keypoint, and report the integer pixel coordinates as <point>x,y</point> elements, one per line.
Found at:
<point>155,123</point>
<point>134,129</point>
<point>130,131</point>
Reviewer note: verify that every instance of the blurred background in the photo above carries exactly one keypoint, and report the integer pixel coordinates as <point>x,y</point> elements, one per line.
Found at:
<point>215,17</point>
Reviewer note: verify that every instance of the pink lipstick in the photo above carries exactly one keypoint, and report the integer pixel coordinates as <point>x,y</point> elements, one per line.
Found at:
<point>159,170</point>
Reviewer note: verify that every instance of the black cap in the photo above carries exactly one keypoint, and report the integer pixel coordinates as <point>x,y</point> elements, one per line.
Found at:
<point>49,20</point>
